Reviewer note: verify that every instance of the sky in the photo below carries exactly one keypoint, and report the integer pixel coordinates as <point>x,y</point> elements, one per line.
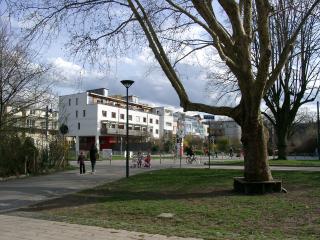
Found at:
<point>151,85</point>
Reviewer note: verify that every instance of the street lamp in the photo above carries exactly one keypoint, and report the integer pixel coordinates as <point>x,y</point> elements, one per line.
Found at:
<point>127,84</point>
<point>318,132</point>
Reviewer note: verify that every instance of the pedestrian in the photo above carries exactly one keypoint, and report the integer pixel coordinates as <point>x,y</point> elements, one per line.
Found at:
<point>147,161</point>
<point>231,152</point>
<point>81,160</point>
<point>93,157</point>
<point>139,158</point>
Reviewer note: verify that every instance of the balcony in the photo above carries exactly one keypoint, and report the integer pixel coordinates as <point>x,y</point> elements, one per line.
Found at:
<point>116,131</point>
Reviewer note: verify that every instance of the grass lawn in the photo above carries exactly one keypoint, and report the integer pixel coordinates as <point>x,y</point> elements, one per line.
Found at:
<point>202,202</point>
<point>300,163</point>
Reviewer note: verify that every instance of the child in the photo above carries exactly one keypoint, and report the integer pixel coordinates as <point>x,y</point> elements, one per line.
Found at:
<point>147,161</point>
<point>81,159</point>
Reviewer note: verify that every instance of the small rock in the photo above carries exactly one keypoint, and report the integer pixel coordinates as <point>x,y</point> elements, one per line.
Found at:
<point>166,215</point>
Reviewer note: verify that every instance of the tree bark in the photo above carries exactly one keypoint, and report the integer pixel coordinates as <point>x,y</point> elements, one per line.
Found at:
<point>254,140</point>
<point>282,143</point>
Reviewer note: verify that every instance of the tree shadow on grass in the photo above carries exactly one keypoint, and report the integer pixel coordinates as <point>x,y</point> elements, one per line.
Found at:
<point>80,199</point>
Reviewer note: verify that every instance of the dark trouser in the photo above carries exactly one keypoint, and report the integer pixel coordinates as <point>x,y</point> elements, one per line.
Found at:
<point>93,163</point>
<point>82,168</point>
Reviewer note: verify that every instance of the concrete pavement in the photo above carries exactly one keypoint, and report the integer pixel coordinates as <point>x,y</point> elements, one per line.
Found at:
<point>22,192</point>
<point>20,228</point>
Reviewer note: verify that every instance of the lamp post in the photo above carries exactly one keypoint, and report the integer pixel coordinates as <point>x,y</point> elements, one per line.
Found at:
<point>127,84</point>
<point>318,131</point>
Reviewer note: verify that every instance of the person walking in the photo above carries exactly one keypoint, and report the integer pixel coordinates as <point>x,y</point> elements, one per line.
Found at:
<point>81,160</point>
<point>93,157</point>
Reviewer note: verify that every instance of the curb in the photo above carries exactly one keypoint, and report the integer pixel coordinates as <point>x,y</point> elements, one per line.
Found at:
<point>13,177</point>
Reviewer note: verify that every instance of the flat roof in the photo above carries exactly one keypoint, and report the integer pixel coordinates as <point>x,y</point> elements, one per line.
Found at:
<point>119,100</point>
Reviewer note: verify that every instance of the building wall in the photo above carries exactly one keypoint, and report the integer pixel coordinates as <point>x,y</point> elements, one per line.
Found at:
<point>227,129</point>
<point>166,121</point>
<point>80,117</point>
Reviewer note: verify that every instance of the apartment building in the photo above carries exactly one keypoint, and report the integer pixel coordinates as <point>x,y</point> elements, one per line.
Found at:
<point>226,129</point>
<point>40,124</point>
<point>94,117</point>
<point>192,125</point>
<point>166,122</point>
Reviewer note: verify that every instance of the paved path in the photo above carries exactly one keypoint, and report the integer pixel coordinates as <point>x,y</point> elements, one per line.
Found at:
<point>20,228</point>
<point>22,192</point>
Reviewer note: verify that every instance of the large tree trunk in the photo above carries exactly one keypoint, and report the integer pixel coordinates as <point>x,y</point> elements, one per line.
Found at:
<point>254,139</point>
<point>282,143</point>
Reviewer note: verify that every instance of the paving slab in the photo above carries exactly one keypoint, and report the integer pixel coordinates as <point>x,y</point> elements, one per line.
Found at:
<point>20,228</point>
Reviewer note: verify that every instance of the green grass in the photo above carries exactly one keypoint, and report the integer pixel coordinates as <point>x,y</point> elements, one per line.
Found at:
<point>202,202</point>
<point>300,163</point>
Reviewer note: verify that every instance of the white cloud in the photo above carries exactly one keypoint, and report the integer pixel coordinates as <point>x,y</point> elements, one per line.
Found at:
<point>151,84</point>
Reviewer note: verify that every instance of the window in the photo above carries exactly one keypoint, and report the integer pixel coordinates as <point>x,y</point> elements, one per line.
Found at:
<point>121,116</point>
<point>69,101</point>
<point>43,124</point>
<point>76,101</point>
<point>157,131</point>
<point>151,120</point>
<point>157,121</point>
<point>121,126</point>
<point>113,115</point>
<point>78,126</point>
<point>30,123</point>
<point>130,117</point>
<point>76,113</point>
<point>84,113</point>
<point>104,113</point>
<point>130,127</point>
<point>137,119</point>
<point>144,129</point>
<point>137,128</point>
<point>168,124</point>
<point>151,130</point>
<point>113,125</point>
<point>144,119</point>
<point>32,111</point>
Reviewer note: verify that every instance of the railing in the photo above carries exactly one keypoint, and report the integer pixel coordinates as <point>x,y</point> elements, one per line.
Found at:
<point>115,131</point>
<point>123,107</point>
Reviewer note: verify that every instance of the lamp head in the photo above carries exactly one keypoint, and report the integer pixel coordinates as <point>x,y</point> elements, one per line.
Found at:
<point>127,83</point>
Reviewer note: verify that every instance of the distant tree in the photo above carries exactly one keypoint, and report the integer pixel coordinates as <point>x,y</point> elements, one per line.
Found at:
<point>21,84</point>
<point>298,82</point>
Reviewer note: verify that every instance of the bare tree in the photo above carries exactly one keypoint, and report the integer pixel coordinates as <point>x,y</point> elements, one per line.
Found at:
<point>168,28</point>
<point>299,80</point>
<point>21,80</point>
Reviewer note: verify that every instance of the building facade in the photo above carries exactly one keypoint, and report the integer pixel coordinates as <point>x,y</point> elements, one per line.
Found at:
<point>37,123</point>
<point>228,129</point>
<point>94,117</point>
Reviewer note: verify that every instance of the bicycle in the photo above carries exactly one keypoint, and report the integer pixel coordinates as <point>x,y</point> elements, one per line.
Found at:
<point>191,159</point>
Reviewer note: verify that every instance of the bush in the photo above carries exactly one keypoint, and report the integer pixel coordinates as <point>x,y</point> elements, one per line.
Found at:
<point>18,155</point>
<point>12,158</point>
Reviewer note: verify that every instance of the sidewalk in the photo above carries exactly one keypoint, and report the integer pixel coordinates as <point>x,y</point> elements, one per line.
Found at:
<point>20,228</point>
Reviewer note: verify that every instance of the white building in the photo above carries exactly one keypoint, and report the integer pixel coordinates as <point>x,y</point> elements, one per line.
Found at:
<point>166,121</point>
<point>40,124</point>
<point>94,117</point>
<point>192,125</point>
